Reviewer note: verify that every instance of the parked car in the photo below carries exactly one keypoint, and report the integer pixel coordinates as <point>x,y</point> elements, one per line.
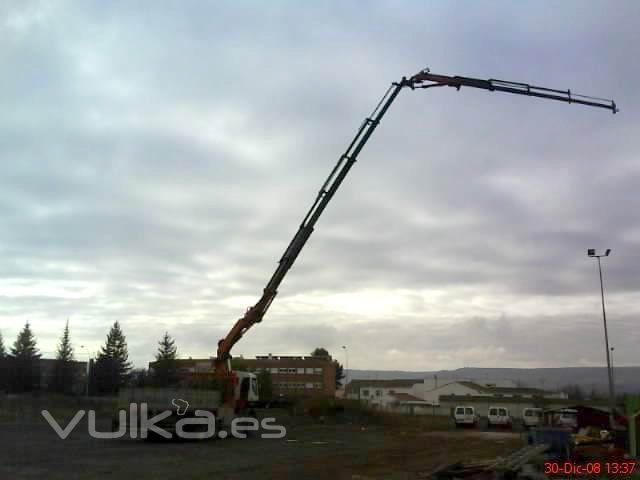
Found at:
<point>499,417</point>
<point>531,417</point>
<point>466,416</point>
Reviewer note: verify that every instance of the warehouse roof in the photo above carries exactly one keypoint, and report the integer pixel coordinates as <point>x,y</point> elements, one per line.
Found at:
<point>503,390</point>
<point>354,385</point>
<point>405,397</point>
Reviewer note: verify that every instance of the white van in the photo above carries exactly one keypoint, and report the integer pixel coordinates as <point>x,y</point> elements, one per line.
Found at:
<point>531,417</point>
<point>499,417</point>
<point>465,416</point>
<point>567,417</point>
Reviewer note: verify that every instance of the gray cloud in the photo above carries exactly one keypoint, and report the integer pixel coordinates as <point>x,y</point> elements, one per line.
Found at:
<point>156,161</point>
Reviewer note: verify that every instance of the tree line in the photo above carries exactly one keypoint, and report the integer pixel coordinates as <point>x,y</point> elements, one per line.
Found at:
<point>21,367</point>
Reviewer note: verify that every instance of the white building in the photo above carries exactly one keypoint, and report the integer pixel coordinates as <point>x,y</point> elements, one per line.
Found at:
<point>400,402</point>
<point>370,391</point>
<point>425,396</point>
<point>461,388</point>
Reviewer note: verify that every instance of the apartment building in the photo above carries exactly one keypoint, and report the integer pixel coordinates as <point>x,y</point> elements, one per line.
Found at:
<point>292,376</point>
<point>296,376</point>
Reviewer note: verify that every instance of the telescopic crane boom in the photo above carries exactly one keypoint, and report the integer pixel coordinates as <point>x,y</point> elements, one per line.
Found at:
<point>423,79</point>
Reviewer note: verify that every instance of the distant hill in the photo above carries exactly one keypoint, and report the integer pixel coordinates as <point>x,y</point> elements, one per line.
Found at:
<point>627,379</point>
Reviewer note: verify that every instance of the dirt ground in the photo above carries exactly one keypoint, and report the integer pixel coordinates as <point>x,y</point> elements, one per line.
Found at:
<point>31,450</point>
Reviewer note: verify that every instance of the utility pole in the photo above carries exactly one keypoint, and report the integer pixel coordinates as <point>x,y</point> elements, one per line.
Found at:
<point>613,370</point>
<point>88,372</point>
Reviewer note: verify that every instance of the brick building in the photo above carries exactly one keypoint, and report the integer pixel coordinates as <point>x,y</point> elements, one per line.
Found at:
<point>297,376</point>
<point>292,376</point>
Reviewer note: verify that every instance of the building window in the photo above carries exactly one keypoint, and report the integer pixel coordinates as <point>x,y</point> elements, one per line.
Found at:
<point>309,386</point>
<point>378,393</point>
<point>309,371</point>
<point>291,370</point>
<point>301,371</point>
<point>365,393</point>
<point>317,371</point>
<point>282,370</point>
<point>318,385</point>
<point>274,370</point>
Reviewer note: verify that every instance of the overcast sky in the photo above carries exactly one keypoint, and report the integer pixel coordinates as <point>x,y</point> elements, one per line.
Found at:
<point>157,157</point>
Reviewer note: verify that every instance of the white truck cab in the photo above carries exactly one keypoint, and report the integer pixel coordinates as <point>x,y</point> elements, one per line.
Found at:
<point>246,387</point>
<point>531,417</point>
<point>499,417</point>
<point>465,416</point>
<point>567,417</point>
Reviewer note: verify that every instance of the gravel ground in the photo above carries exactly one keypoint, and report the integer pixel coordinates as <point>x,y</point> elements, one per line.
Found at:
<point>33,451</point>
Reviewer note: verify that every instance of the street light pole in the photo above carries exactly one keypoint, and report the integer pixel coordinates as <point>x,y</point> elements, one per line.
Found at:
<point>592,253</point>
<point>88,371</point>
<point>346,373</point>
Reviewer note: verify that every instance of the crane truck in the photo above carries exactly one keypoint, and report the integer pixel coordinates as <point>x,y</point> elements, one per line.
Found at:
<point>239,391</point>
<point>422,80</point>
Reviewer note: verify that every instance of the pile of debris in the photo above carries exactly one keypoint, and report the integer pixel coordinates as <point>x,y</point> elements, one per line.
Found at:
<point>514,466</point>
<point>596,443</point>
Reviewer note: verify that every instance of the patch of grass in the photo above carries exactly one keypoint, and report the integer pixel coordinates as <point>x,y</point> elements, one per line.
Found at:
<point>419,422</point>
<point>28,407</point>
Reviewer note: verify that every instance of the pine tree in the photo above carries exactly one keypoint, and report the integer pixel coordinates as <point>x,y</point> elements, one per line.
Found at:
<point>105,376</point>
<point>113,367</point>
<point>165,370</point>
<point>4,366</point>
<point>25,362</point>
<point>339,369</point>
<point>320,352</point>
<point>340,375</point>
<point>63,369</point>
